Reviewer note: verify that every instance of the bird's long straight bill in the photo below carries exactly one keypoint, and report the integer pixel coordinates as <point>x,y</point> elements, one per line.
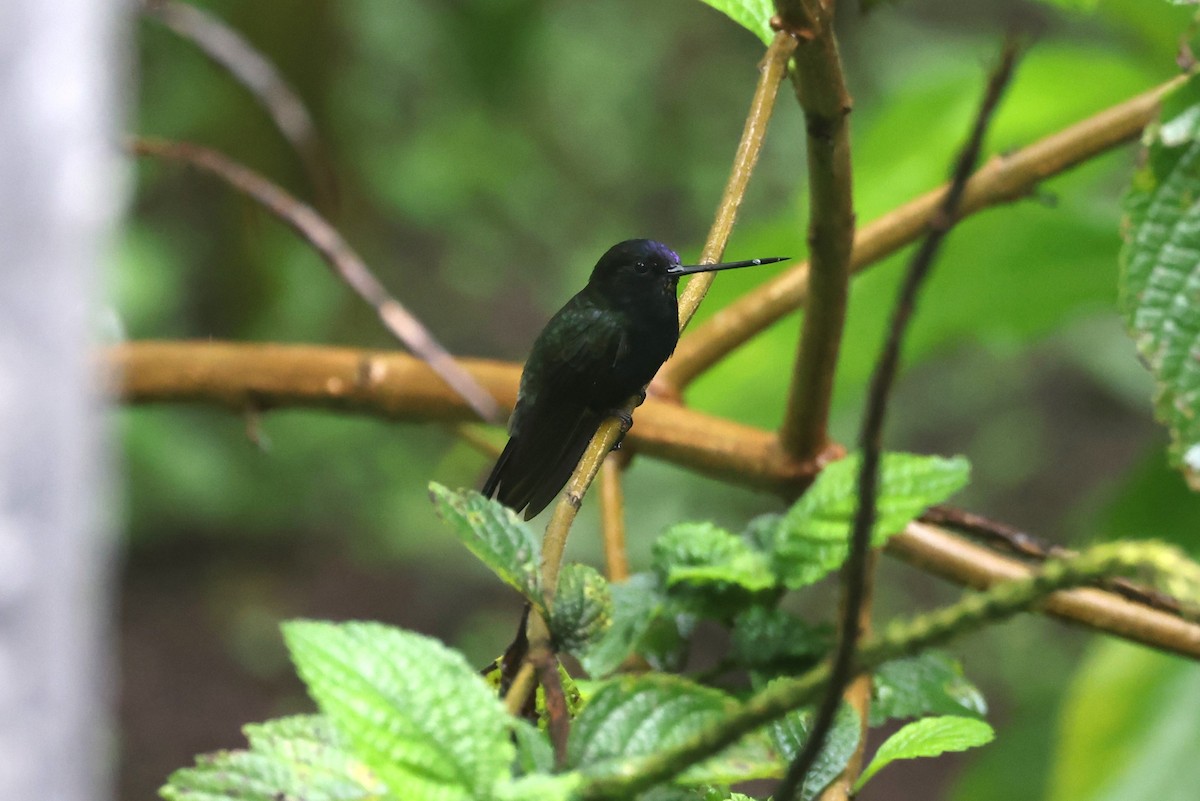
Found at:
<point>688,269</point>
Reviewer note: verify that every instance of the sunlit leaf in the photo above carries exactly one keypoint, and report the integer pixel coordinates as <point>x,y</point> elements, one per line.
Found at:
<point>296,757</point>
<point>702,554</point>
<point>415,712</point>
<point>812,538</point>
<point>753,15</point>
<point>1160,271</point>
<point>1128,728</point>
<point>495,534</point>
<point>928,737</point>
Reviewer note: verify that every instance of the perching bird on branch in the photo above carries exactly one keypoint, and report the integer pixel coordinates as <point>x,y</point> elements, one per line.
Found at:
<point>600,349</point>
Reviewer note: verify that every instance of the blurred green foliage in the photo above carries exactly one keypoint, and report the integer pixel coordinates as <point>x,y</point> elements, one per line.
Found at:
<point>488,150</point>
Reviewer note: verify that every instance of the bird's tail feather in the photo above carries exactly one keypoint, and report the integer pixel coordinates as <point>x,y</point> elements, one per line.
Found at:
<point>536,463</point>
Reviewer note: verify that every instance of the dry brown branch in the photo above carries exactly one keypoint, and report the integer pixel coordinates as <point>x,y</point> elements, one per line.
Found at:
<point>230,51</point>
<point>400,387</point>
<point>821,90</point>
<point>940,552</point>
<point>1002,179</point>
<point>337,253</point>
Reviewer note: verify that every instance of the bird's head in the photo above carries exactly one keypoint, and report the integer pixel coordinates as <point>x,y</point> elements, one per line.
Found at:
<point>646,268</point>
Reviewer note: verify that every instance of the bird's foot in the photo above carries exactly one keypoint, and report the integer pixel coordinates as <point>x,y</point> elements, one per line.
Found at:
<point>625,418</point>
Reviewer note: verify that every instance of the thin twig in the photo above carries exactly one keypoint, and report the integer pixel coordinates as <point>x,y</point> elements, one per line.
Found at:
<point>399,387</point>
<point>521,689</point>
<point>341,258</point>
<point>1003,179</point>
<point>854,572</point>
<point>821,90</point>
<point>558,722</point>
<point>754,132</point>
<point>858,696</point>
<point>230,51</point>
<point>612,517</point>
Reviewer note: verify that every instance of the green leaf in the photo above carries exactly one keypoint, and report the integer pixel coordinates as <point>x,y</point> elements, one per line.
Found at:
<point>535,754</point>
<point>496,535</point>
<point>790,733</point>
<point>703,555</point>
<point>931,683</point>
<point>637,603</point>
<point>753,15</point>
<point>928,737</point>
<point>416,713</point>
<point>764,637</point>
<point>1128,728</point>
<point>583,607</point>
<point>811,539</point>
<point>636,716</point>
<point>540,787</point>
<point>1160,271</point>
<point>296,757</point>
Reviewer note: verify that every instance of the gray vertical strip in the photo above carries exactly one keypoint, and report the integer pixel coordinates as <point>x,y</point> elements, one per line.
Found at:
<point>59,107</point>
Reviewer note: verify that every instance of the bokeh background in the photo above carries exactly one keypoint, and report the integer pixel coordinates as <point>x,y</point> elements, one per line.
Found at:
<point>485,153</point>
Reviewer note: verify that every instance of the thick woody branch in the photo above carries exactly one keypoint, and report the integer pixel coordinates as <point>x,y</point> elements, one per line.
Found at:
<point>821,90</point>
<point>1003,179</point>
<point>399,387</point>
<point>402,387</point>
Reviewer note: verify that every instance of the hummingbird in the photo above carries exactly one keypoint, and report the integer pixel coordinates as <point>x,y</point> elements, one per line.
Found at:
<point>599,350</point>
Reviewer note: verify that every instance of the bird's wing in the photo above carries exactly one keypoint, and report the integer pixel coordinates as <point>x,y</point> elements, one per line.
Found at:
<point>555,416</point>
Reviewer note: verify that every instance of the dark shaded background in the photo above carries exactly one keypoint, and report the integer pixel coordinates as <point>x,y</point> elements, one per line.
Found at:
<point>486,152</point>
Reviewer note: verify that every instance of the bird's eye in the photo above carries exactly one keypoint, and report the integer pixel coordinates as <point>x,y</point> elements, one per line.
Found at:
<point>641,267</point>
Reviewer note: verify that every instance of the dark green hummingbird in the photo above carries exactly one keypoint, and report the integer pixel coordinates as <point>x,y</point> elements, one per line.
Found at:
<point>600,349</point>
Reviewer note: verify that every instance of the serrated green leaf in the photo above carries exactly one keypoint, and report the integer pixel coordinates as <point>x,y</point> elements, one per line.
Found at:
<point>535,754</point>
<point>704,554</point>
<point>1159,286</point>
<point>790,733</point>
<point>636,716</point>
<point>540,787</point>
<point>811,539</point>
<point>416,713</point>
<point>928,737</point>
<point>296,757</point>
<point>496,535</point>
<point>637,603</point>
<point>766,637</point>
<point>753,15</point>
<point>931,683</point>
<point>583,607</point>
